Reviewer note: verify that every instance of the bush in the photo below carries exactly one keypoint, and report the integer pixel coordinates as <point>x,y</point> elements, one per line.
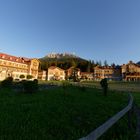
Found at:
<point>30,86</point>
<point>7,83</point>
<point>36,81</point>
<point>22,76</point>
<point>29,77</point>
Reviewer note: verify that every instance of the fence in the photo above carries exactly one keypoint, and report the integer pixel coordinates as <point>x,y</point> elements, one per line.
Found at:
<point>104,127</point>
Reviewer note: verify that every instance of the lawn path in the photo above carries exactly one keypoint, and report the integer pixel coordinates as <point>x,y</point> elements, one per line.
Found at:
<point>137,110</point>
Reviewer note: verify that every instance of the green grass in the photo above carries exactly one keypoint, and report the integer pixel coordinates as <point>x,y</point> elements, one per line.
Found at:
<point>54,114</point>
<point>137,98</point>
<point>121,131</point>
<point>116,85</point>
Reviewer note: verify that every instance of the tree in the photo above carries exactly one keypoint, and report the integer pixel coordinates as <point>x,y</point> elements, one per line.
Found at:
<point>98,63</point>
<point>73,63</point>
<point>46,66</point>
<point>22,76</point>
<point>88,66</point>
<point>93,63</point>
<point>29,77</point>
<point>113,65</point>
<point>105,63</point>
<point>74,75</point>
<point>7,83</point>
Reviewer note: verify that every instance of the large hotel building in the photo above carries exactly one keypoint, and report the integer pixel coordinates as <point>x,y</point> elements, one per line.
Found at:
<point>16,66</point>
<point>131,71</point>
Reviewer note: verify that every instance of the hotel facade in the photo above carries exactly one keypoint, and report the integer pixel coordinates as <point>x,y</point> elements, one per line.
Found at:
<point>109,72</point>
<point>131,71</point>
<point>12,66</point>
<point>56,73</point>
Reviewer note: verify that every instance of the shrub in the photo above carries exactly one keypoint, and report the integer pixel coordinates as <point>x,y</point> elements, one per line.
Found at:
<point>30,86</point>
<point>36,81</point>
<point>22,76</point>
<point>7,83</point>
<point>29,76</point>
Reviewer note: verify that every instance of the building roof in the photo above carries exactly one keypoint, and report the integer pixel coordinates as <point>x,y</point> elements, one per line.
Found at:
<point>104,67</point>
<point>54,67</point>
<point>108,67</point>
<point>73,68</point>
<point>130,62</point>
<point>14,58</point>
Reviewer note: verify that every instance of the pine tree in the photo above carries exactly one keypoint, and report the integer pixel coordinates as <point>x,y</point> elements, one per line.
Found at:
<point>89,66</point>
<point>105,63</point>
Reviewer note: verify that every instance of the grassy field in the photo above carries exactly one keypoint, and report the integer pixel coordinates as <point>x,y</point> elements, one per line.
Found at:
<point>137,98</point>
<point>114,85</point>
<point>55,114</point>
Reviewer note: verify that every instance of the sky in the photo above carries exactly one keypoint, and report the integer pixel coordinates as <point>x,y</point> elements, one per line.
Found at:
<point>92,29</point>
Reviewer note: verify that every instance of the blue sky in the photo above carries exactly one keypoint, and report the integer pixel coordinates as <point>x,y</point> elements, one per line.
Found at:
<point>93,29</point>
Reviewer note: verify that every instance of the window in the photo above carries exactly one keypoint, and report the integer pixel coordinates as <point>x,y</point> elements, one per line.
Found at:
<point>3,69</point>
<point>4,63</point>
<point>56,73</point>
<point>3,56</point>
<point>50,72</point>
<point>10,63</point>
<point>61,73</point>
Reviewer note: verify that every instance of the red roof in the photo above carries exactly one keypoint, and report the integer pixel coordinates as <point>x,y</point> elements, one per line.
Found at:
<point>14,58</point>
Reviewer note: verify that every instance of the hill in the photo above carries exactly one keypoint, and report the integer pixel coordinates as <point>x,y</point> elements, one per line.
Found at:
<point>61,55</point>
<point>64,61</point>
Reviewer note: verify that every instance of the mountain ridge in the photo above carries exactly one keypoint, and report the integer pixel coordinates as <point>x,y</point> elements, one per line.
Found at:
<point>61,57</point>
<point>64,61</point>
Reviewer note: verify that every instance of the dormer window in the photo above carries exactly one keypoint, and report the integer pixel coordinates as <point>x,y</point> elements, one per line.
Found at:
<point>3,56</point>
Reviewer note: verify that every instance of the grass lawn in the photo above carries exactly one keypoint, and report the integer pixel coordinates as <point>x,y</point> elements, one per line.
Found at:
<point>116,85</point>
<point>54,114</point>
<point>137,98</point>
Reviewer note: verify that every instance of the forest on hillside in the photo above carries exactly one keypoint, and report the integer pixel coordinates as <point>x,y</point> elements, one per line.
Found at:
<point>65,63</point>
